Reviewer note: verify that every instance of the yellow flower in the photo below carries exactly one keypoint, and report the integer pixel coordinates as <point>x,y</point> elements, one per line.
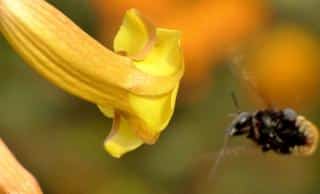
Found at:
<point>136,85</point>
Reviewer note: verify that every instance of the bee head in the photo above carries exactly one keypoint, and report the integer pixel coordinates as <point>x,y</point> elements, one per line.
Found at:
<point>241,124</point>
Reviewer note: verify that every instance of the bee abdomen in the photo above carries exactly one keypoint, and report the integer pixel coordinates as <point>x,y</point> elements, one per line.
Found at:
<point>312,135</point>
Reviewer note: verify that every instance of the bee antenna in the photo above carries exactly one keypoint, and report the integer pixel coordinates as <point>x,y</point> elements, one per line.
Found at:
<point>235,101</point>
<point>220,156</point>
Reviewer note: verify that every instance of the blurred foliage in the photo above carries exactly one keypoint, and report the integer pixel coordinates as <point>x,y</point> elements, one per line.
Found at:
<point>60,138</point>
<point>284,62</point>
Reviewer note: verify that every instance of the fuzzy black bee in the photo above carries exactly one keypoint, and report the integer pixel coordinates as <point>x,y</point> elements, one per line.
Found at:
<point>282,131</point>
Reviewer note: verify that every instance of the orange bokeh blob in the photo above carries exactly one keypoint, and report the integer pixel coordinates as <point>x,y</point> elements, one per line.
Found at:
<point>285,65</point>
<point>209,27</point>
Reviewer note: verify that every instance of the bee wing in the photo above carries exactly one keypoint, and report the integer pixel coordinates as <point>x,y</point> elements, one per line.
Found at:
<point>220,156</point>
<point>238,71</point>
<point>208,163</point>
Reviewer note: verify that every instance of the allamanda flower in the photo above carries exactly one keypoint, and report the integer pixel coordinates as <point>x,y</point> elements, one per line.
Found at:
<point>136,85</point>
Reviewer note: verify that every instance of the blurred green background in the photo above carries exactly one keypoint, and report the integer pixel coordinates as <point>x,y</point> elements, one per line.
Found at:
<point>59,138</point>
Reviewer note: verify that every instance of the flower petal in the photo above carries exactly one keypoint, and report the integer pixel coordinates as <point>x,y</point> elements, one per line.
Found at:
<point>135,25</point>
<point>122,138</point>
<point>165,57</point>
<point>151,114</point>
<point>107,110</point>
<point>138,37</point>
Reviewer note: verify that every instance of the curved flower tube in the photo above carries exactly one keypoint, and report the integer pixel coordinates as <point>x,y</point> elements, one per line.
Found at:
<point>136,85</point>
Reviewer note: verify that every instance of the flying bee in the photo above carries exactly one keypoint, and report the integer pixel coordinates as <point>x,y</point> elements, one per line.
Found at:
<point>280,130</point>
